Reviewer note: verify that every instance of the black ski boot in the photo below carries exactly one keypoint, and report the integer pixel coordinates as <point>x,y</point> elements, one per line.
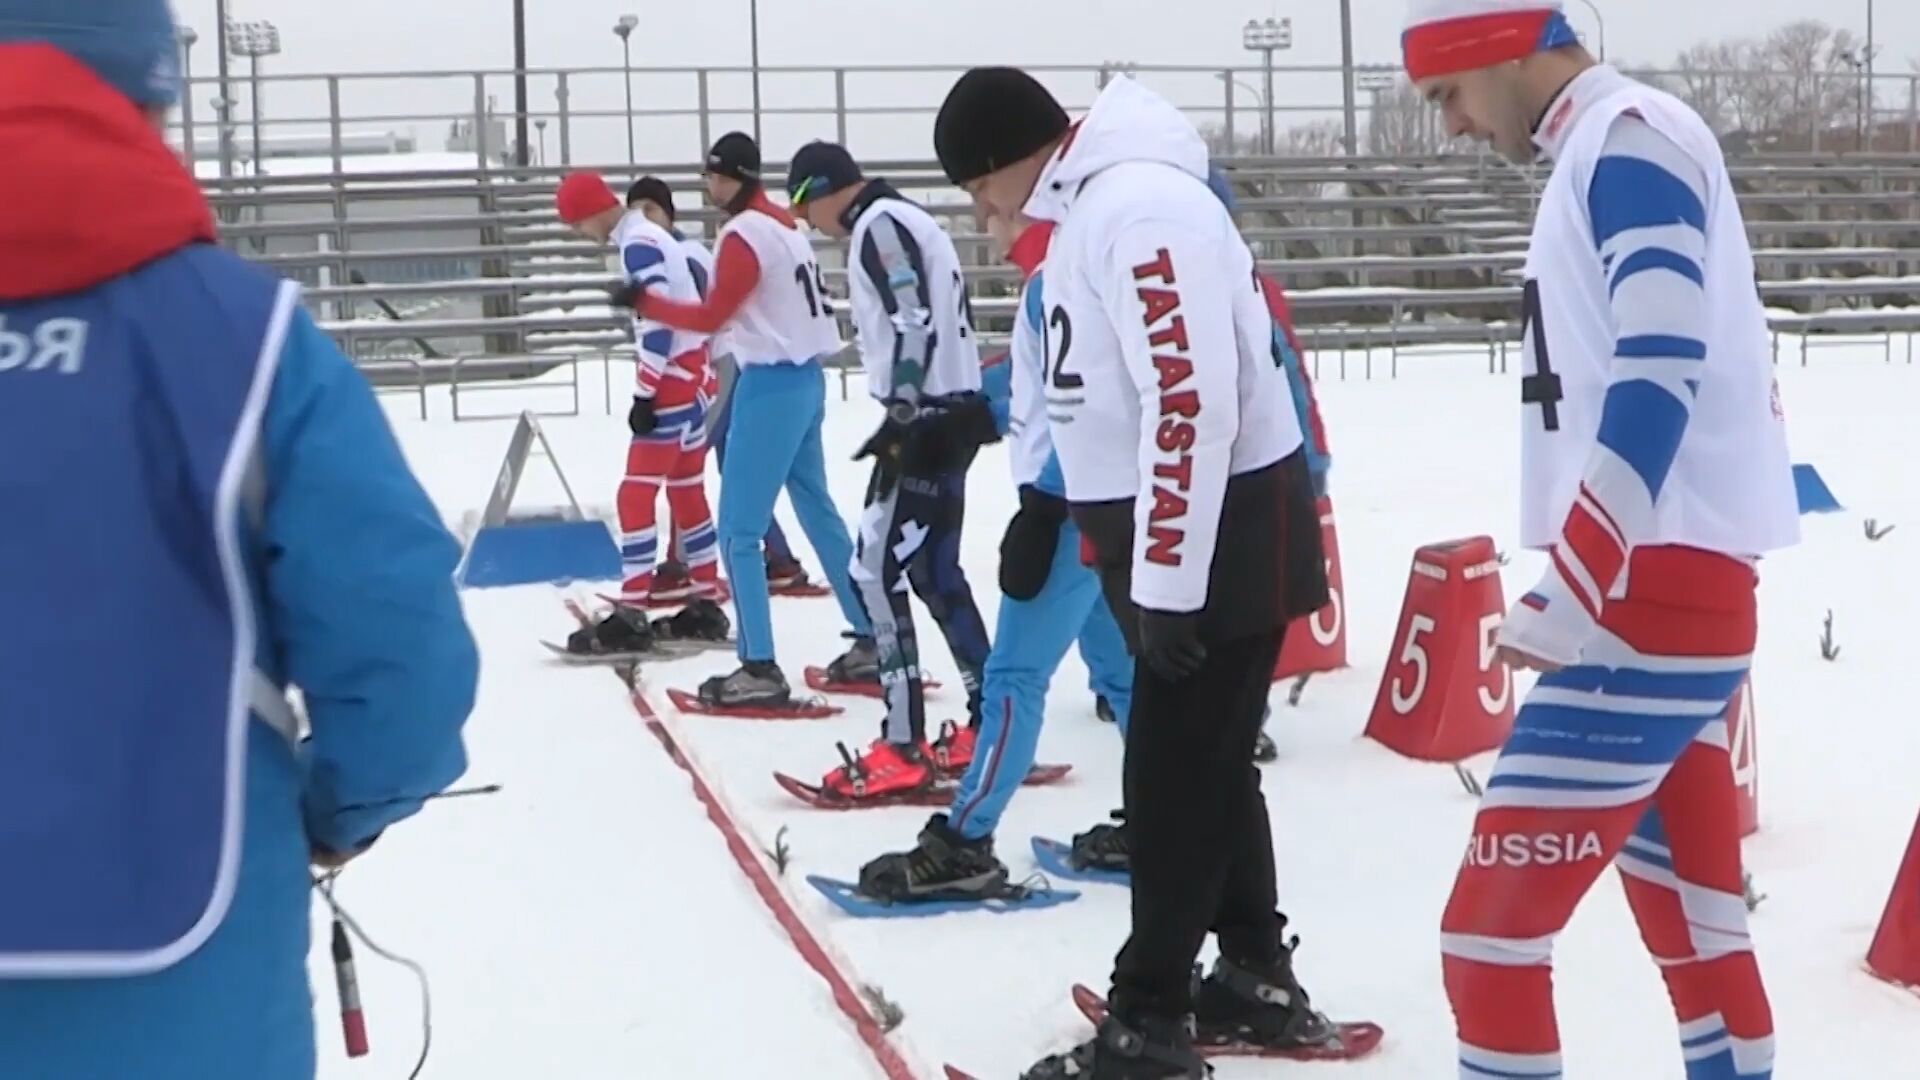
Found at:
<point>1103,709</point>
<point>701,620</point>
<point>1149,1049</point>
<point>624,630</point>
<point>1264,1005</point>
<point>756,684</point>
<point>1103,847</point>
<point>943,866</point>
<point>860,664</point>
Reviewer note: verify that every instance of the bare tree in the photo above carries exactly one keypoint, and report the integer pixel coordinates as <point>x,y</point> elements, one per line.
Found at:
<point>1400,123</point>
<point>1780,90</point>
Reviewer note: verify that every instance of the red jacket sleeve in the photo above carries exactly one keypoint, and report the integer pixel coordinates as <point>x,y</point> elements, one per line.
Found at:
<point>1282,315</point>
<point>735,273</point>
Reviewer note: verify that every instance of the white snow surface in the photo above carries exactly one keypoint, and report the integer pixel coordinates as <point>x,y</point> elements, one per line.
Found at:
<point>589,923</point>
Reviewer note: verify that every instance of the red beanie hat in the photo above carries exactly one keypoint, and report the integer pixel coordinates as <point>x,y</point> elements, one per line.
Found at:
<point>1446,37</point>
<point>582,195</point>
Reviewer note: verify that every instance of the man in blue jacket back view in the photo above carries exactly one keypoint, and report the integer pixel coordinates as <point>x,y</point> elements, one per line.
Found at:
<point>201,505</point>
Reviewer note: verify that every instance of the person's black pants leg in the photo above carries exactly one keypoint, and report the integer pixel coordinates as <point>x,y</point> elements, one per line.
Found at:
<point>1200,846</point>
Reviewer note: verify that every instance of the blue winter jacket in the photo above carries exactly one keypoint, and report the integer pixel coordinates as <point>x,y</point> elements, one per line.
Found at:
<point>339,578</point>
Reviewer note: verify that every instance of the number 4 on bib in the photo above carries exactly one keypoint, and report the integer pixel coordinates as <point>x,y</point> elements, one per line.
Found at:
<point>1743,749</point>
<point>1444,695</point>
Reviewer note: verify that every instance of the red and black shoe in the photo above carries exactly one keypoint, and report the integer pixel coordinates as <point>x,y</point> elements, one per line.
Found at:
<point>885,771</point>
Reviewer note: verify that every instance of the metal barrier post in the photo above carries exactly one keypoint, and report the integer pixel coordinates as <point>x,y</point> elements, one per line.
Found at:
<point>1226,125</point>
<point>1913,114</point>
<point>334,121</point>
<point>840,103</point>
<point>566,121</point>
<point>480,120</point>
<point>706,116</point>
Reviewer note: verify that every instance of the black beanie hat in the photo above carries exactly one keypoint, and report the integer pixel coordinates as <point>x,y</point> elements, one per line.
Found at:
<point>654,190</point>
<point>993,117</point>
<point>735,155</point>
<point>819,169</point>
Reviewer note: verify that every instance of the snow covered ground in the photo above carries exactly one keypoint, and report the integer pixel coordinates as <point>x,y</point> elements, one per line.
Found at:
<point>589,923</point>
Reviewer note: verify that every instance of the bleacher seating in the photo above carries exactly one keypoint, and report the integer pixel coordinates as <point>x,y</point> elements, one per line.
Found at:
<point>425,276</point>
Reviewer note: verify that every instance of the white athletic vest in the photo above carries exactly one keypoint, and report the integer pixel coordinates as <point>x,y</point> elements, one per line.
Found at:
<point>1731,486</point>
<point>788,317</point>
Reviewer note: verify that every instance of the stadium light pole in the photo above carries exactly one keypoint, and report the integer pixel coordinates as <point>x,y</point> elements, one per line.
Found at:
<point>1352,135</point>
<point>624,29</point>
<point>1375,83</point>
<point>188,37</point>
<point>1266,37</point>
<point>224,110</point>
<point>1601,24</point>
<point>753,33</point>
<point>254,40</point>
<point>519,85</point>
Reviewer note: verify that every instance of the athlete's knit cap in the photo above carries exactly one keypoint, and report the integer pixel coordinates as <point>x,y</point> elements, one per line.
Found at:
<point>654,190</point>
<point>993,117</point>
<point>1446,37</point>
<point>581,195</point>
<point>735,155</point>
<point>819,169</point>
<point>130,44</point>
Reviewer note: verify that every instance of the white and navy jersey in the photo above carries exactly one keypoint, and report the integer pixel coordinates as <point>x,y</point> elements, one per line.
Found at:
<point>788,317</point>
<point>656,260</point>
<point>910,306</point>
<point>1650,413</point>
<point>1161,379</point>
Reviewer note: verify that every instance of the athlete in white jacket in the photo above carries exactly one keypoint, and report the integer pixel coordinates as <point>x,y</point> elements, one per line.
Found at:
<point>1182,458</point>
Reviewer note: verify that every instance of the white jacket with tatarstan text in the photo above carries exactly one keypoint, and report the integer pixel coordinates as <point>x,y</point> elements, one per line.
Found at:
<point>1161,379</point>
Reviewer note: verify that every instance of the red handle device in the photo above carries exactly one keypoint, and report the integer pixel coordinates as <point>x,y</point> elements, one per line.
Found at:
<point>353,1022</point>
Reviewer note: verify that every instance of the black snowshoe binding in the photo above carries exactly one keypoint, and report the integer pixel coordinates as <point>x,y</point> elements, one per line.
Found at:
<point>943,866</point>
<point>1149,1049</point>
<point>699,621</point>
<point>1264,750</point>
<point>1103,847</point>
<point>756,684</point>
<point>860,664</point>
<point>1262,1005</point>
<point>624,631</point>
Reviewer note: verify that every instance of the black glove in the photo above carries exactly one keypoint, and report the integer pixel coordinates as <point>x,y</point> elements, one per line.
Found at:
<point>885,443</point>
<point>1170,643</point>
<point>624,296</point>
<point>948,436</point>
<point>1026,552</point>
<point>640,418</point>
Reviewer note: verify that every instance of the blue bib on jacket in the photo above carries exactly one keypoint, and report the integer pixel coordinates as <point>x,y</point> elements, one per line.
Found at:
<point>129,421</point>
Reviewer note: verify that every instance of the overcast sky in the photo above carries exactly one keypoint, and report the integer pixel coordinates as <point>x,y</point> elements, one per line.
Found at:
<point>392,35</point>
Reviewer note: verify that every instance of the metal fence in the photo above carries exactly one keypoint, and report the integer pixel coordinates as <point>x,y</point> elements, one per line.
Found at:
<point>342,122</point>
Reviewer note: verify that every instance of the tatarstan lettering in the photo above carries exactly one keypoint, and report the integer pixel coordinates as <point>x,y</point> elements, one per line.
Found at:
<point>1176,432</point>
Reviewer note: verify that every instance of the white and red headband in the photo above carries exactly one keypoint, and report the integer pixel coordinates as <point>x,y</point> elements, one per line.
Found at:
<point>1446,37</point>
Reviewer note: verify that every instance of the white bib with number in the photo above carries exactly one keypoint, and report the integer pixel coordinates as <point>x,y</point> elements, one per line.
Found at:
<point>1730,489</point>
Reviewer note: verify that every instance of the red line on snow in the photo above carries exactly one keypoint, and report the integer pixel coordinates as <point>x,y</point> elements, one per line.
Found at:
<point>891,1063</point>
